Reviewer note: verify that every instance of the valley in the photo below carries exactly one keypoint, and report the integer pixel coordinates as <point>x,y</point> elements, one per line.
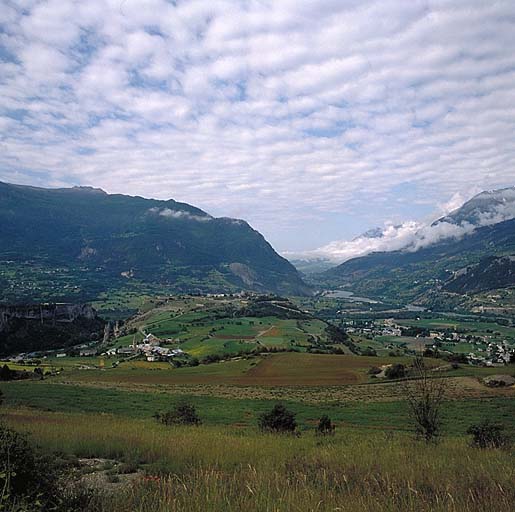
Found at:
<point>99,413</point>
<point>83,342</point>
<point>257,256</point>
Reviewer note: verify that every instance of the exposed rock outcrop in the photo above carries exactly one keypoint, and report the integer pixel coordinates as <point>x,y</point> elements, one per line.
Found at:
<point>39,327</point>
<point>46,313</point>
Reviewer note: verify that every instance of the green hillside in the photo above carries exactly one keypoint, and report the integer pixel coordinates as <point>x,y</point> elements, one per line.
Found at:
<point>73,244</point>
<point>404,276</point>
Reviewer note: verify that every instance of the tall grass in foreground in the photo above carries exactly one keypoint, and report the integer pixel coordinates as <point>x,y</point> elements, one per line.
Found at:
<point>222,469</point>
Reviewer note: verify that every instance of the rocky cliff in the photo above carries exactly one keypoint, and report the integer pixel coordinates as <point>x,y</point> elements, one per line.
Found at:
<point>38,327</point>
<point>46,313</point>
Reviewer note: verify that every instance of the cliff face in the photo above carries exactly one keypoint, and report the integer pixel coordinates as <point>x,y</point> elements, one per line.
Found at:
<point>29,328</point>
<point>46,313</point>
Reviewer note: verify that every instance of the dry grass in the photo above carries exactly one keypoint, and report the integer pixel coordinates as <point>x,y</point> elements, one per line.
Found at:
<point>220,469</point>
<point>457,388</point>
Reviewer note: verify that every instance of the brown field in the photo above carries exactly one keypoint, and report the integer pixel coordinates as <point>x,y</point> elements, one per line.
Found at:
<point>283,369</point>
<point>311,378</point>
<point>291,369</point>
<point>458,388</point>
<point>272,332</point>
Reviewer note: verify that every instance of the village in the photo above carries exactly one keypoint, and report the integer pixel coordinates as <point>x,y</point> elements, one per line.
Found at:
<point>150,348</point>
<point>485,350</point>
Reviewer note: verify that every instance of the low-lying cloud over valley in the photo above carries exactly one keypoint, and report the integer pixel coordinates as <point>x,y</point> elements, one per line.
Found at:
<point>412,235</point>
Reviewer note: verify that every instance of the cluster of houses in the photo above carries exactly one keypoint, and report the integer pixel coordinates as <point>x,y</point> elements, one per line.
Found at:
<point>370,328</point>
<point>496,354</point>
<point>484,351</point>
<point>150,347</point>
<point>84,350</point>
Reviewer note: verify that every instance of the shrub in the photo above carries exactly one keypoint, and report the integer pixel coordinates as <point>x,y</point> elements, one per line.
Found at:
<point>374,370</point>
<point>211,358</point>
<point>325,426</point>
<point>278,420</point>
<point>488,435</point>
<point>396,371</point>
<point>6,373</point>
<point>26,476</point>
<point>182,414</point>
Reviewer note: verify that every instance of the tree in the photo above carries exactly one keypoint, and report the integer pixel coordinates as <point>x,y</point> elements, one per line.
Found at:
<point>425,394</point>
<point>395,371</point>
<point>278,420</point>
<point>325,426</point>
<point>182,414</point>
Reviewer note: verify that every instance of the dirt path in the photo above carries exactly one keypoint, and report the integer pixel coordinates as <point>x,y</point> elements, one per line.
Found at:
<point>262,333</point>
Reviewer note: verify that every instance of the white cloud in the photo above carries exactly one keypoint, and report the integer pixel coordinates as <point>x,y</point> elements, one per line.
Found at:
<point>412,236</point>
<point>179,214</point>
<point>273,111</point>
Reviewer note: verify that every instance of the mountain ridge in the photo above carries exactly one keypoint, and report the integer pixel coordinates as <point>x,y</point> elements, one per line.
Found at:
<point>119,238</point>
<point>409,275</point>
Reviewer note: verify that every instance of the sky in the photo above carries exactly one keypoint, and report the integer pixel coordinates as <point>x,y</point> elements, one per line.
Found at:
<point>312,120</point>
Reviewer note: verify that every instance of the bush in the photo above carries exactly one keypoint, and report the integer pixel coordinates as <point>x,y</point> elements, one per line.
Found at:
<point>211,358</point>
<point>6,373</point>
<point>182,414</point>
<point>278,420</point>
<point>396,371</point>
<point>488,435</point>
<point>26,476</point>
<point>325,426</point>
<point>374,370</point>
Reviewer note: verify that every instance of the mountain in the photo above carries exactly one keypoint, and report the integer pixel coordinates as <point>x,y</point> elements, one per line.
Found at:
<point>76,243</point>
<point>371,233</point>
<point>489,274</point>
<point>487,207</point>
<point>312,266</point>
<point>483,241</point>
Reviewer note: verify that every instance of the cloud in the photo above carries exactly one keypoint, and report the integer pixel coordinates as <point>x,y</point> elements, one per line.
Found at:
<point>277,112</point>
<point>411,235</point>
<point>179,214</point>
<point>457,200</point>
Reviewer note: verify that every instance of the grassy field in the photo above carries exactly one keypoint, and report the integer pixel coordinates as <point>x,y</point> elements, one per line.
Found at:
<point>282,369</point>
<point>215,468</point>
<point>367,406</point>
<point>372,463</point>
